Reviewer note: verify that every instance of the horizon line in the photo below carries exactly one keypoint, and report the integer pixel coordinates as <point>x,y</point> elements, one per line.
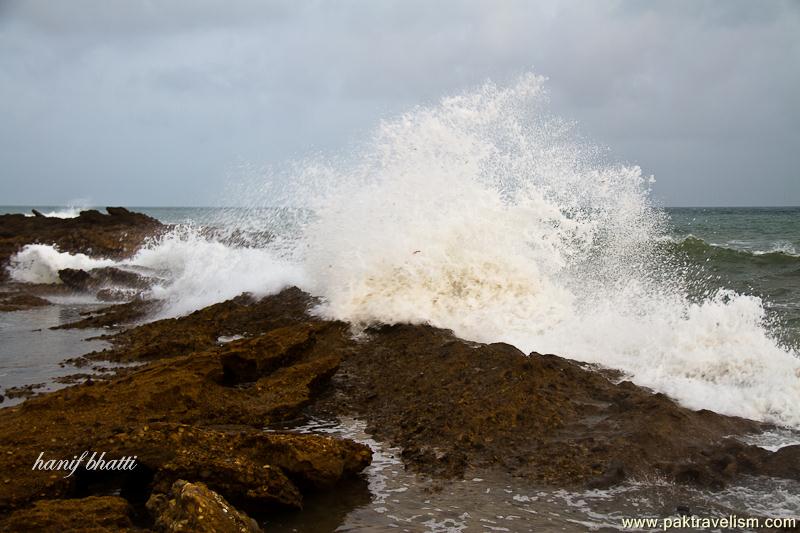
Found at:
<point>127,206</point>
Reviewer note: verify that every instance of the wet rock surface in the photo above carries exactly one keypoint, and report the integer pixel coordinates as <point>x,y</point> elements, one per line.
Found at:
<point>115,316</point>
<point>23,391</point>
<point>94,513</point>
<point>20,302</point>
<point>107,283</point>
<point>451,404</point>
<point>185,416</point>
<point>193,507</point>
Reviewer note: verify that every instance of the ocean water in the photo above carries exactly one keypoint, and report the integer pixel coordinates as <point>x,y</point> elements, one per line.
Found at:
<point>489,215</point>
<point>750,250</point>
<point>32,354</point>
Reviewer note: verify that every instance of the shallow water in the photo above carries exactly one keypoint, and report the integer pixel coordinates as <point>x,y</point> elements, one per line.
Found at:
<point>395,499</point>
<point>31,353</point>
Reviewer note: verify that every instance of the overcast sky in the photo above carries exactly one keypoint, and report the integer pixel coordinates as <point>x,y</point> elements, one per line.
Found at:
<point>138,102</point>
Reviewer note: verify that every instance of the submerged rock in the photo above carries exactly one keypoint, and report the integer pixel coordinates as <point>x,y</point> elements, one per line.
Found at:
<point>114,316</point>
<point>23,391</point>
<point>21,301</point>
<point>193,507</point>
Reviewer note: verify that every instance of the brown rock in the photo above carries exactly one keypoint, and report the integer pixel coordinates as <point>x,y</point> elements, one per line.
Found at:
<point>160,412</point>
<point>20,302</point>
<point>95,513</point>
<point>452,404</point>
<point>613,475</point>
<point>116,315</point>
<point>119,212</point>
<point>195,410</point>
<point>247,360</point>
<point>192,507</point>
<point>91,280</point>
<point>784,463</point>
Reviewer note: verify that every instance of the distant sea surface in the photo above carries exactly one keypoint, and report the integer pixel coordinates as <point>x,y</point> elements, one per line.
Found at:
<point>752,250</point>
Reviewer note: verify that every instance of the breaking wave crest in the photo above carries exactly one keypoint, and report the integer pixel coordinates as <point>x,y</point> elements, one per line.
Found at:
<point>196,269</point>
<point>487,215</point>
<point>65,212</point>
<point>779,254</point>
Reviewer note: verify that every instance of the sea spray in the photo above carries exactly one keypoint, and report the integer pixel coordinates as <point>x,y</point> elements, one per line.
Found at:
<point>194,266</point>
<point>483,215</point>
<point>202,270</point>
<point>40,263</point>
<point>489,216</point>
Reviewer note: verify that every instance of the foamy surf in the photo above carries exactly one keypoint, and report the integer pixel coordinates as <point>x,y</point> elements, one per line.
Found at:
<point>66,212</point>
<point>40,263</point>
<point>489,216</point>
<point>197,270</point>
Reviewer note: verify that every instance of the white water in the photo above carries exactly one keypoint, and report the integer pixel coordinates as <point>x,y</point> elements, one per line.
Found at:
<point>199,271</point>
<point>203,271</point>
<point>67,212</point>
<point>487,216</point>
<point>40,263</point>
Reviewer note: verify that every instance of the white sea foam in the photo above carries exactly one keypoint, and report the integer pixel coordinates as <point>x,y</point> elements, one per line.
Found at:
<point>69,212</point>
<point>201,271</point>
<point>488,216</point>
<point>66,212</point>
<point>782,247</point>
<point>40,263</point>
<point>196,271</point>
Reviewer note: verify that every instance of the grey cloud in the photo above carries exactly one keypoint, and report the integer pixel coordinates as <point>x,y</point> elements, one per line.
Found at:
<point>155,102</point>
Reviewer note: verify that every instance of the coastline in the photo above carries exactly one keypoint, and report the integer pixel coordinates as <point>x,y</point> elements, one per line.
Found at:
<point>195,407</point>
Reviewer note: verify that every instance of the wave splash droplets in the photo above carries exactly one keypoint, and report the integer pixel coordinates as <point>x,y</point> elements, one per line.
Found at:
<point>489,217</point>
<point>195,270</point>
<point>464,216</point>
<point>202,271</point>
<point>40,263</point>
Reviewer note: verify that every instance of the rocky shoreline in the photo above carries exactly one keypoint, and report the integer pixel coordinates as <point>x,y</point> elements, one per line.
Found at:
<point>195,408</point>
